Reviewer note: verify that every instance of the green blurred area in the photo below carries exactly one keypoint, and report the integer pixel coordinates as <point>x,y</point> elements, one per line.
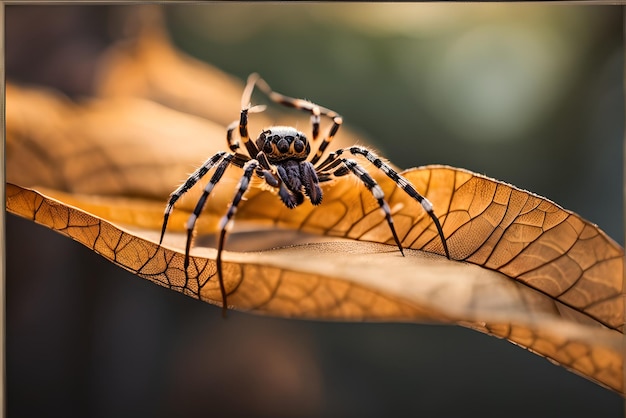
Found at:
<point>527,94</point>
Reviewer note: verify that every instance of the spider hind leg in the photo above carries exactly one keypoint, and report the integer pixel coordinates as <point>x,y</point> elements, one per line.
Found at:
<point>351,166</point>
<point>406,186</point>
<point>334,160</point>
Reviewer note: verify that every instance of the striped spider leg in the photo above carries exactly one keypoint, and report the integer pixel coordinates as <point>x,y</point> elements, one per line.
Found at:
<point>280,157</point>
<point>325,173</point>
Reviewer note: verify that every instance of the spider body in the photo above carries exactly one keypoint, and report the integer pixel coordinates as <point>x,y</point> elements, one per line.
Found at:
<point>287,149</point>
<point>283,158</point>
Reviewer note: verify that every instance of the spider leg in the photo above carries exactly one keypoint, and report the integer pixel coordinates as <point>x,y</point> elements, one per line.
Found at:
<point>371,184</point>
<point>330,162</point>
<point>248,170</point>
<point>337,121</point>
<point>403,183</point>
<point>315,110</point>
<point>191,222</point>
<point>233,143</point>
<point>246,108</point>
<point>243,131</point>
<point>193,179</point>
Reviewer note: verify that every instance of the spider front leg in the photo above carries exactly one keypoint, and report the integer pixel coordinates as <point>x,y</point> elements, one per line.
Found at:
<point>404,184</point>
<point>189,183</point>
<point>191,222</point>
<point>242,123</point>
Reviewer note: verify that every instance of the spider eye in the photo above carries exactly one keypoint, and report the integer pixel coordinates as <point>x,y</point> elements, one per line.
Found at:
<point>283,145</point>
<point>298,146</point>
<point>267,148</point>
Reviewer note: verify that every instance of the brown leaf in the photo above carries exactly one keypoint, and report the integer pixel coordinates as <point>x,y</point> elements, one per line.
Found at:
<point>115,160</point>
<point>350,280</point>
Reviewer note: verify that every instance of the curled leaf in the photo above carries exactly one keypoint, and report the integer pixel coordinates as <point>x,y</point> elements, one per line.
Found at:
<point>349,280</point>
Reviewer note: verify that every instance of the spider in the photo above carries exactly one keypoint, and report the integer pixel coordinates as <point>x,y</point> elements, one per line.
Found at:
<point>282,157</point>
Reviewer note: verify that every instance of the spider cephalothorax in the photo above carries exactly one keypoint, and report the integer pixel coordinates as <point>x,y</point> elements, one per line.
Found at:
<point>280,156</point>
<point>281,143</point>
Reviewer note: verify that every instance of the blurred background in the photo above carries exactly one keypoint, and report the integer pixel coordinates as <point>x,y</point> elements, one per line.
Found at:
<point>527,94</point>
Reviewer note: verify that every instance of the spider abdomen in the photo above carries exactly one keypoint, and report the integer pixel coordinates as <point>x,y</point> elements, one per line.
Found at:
<point>280,143</point>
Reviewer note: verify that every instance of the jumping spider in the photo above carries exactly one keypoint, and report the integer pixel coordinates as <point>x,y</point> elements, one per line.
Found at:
<point>280,156</point>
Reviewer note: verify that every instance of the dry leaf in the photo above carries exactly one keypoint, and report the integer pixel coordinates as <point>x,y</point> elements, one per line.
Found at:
<point>350,280</point>
<point>550,281</point>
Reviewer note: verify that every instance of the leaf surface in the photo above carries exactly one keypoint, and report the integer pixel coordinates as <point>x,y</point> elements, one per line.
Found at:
<point>349,280</point>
